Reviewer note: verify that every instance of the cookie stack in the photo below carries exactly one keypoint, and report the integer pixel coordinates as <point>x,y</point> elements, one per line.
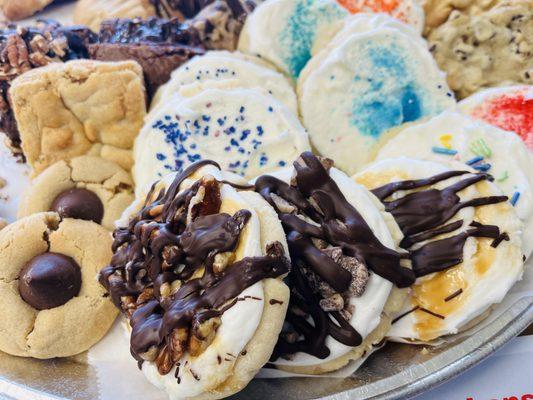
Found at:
<point>291,182</point>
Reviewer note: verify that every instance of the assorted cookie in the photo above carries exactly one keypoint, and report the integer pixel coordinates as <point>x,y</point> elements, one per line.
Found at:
<point>375,75</point>
<point>198,272</point>
<point>53,305</point>
<point>64,110</point>
<point>464,239</point>
<point>488,49</point>
<point>234,245</point>
<point>19,9</point>
<point>344,267</point>
<point>86,187</point>
<point>246,131</point>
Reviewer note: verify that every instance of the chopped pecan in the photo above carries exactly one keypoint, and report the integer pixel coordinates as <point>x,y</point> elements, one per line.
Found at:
<point>146,295</point>
<point>207,199</point>
<point>203,335</point>
<point>332,303</point>
<point>163,361</point>
<point>178,343</point>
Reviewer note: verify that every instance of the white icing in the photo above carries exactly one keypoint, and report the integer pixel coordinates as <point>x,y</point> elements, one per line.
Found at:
<point>378,75</point>
<point>239,323</point>
<point>288,32</point>
<point>508,154</point>
<point>16,174</point>
<point>247,131</point>
<point>248,71</point>
<point>370,305</point>
<point>482,291</point>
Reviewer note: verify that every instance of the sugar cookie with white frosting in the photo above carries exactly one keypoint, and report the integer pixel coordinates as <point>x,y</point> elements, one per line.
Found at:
<point>247,131</point>
<point>464,240</point>
<point>453,136</point>
<point>344,267</point>
<point>204,297</point>
<point>248,71</point>
<point>371,79</point>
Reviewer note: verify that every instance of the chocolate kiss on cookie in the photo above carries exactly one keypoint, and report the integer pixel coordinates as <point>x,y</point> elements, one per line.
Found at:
<point>86,187</point>
<point>52,304</point>
<point>79,204</point>
<point>49,280</point>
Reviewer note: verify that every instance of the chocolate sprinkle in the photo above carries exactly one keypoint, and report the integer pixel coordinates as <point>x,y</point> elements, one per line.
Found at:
<point>453,295</point>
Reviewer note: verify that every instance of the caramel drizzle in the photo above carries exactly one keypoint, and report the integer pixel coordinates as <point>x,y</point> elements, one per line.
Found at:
<point>338,223</point>
<point>158,247</point>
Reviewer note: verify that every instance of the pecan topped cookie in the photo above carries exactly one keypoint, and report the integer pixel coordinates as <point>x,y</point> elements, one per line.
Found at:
<point>197,271</point>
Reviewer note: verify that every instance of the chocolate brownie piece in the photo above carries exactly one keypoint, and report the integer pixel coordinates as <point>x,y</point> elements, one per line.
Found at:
<point>22,49</point>
<point>158,45</point>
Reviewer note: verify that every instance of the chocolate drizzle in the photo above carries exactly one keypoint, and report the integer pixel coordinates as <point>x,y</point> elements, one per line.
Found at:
<point>423,215</point>
<point>313,208</point>
<point>176,238</point>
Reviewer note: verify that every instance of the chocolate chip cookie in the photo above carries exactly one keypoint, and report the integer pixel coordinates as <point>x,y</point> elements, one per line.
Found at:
<point>52,304</point>
<point>65,110</point>
<point>493,48</point>
<point>87,188</point>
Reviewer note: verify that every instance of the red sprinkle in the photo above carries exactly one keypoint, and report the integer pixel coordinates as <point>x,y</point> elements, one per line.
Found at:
<point>509,112</point>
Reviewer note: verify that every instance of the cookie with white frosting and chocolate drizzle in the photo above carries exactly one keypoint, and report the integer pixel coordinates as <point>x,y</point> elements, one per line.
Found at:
<point>464,240</point>
<point>197,270</point>
<point>344,266</point>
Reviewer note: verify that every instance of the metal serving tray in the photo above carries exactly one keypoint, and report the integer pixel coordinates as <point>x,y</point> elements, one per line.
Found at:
<point>396,372</point>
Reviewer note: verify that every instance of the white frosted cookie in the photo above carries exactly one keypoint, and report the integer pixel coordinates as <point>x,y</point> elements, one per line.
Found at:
<point>14,180</point>
<point>289,32</point>
<point>247,131</point>
<point>205,314</point>
<point>509,108</point>
<point>486,148</point>
<point>246,70</point>
<point>367,84</point>
<point>464,240</point>
<point>342,293</point>
<point>408,11</point>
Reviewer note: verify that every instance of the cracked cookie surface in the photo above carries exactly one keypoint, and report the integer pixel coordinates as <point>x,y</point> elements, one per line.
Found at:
<point>109,182</point>
<point>79,323</point>
<point>77,108</point>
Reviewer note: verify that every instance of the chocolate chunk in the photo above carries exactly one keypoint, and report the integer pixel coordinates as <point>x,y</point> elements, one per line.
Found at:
<point>159,46</point>
<point>79,204</point>
<point>49,280</point>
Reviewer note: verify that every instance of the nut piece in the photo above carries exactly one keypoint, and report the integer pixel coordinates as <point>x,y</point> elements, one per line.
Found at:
<point>203,335</point>
<point>163,362</point>
<point>282,205</point>
<point>333,303</point>
<point>128,304</point>
<point>178,343</point>
<point>222,260</point>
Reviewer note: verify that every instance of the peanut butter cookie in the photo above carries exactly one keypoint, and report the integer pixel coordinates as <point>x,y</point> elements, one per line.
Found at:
<point>52,304</point>
<point>77,108</point>
<point>88,188</point>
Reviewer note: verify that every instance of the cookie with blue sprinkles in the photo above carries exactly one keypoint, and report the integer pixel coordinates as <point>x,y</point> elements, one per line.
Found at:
<point>247,131</point>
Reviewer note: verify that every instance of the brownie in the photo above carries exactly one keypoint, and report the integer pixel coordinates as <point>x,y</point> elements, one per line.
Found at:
<point>22,49</point>
<point>158,45</point>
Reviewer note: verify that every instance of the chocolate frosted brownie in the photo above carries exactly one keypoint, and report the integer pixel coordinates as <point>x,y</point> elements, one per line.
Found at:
<point>159,45</point>
<point>22,49</point>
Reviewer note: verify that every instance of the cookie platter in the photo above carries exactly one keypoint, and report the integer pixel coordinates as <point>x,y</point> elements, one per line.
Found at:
<point>297,199</point>
<point>399,372</point>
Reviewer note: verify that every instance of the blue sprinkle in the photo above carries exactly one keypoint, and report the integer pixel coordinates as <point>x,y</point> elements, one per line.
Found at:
<point>282,163</point>
<point>241,110</point>
<point>443,150</point>
<point>475,160</point>
<point>233,142</point>
<point>227,148</point>
<point>263,160</point>
<point>482,167</point>
<point>161,156</point>
<point>168,117</point>
<point>221,122</point>
<point>515,198</point>
<point>206,118</point>
<point>245,134</point>
<point>270,109</point>
<point>260,131</point>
